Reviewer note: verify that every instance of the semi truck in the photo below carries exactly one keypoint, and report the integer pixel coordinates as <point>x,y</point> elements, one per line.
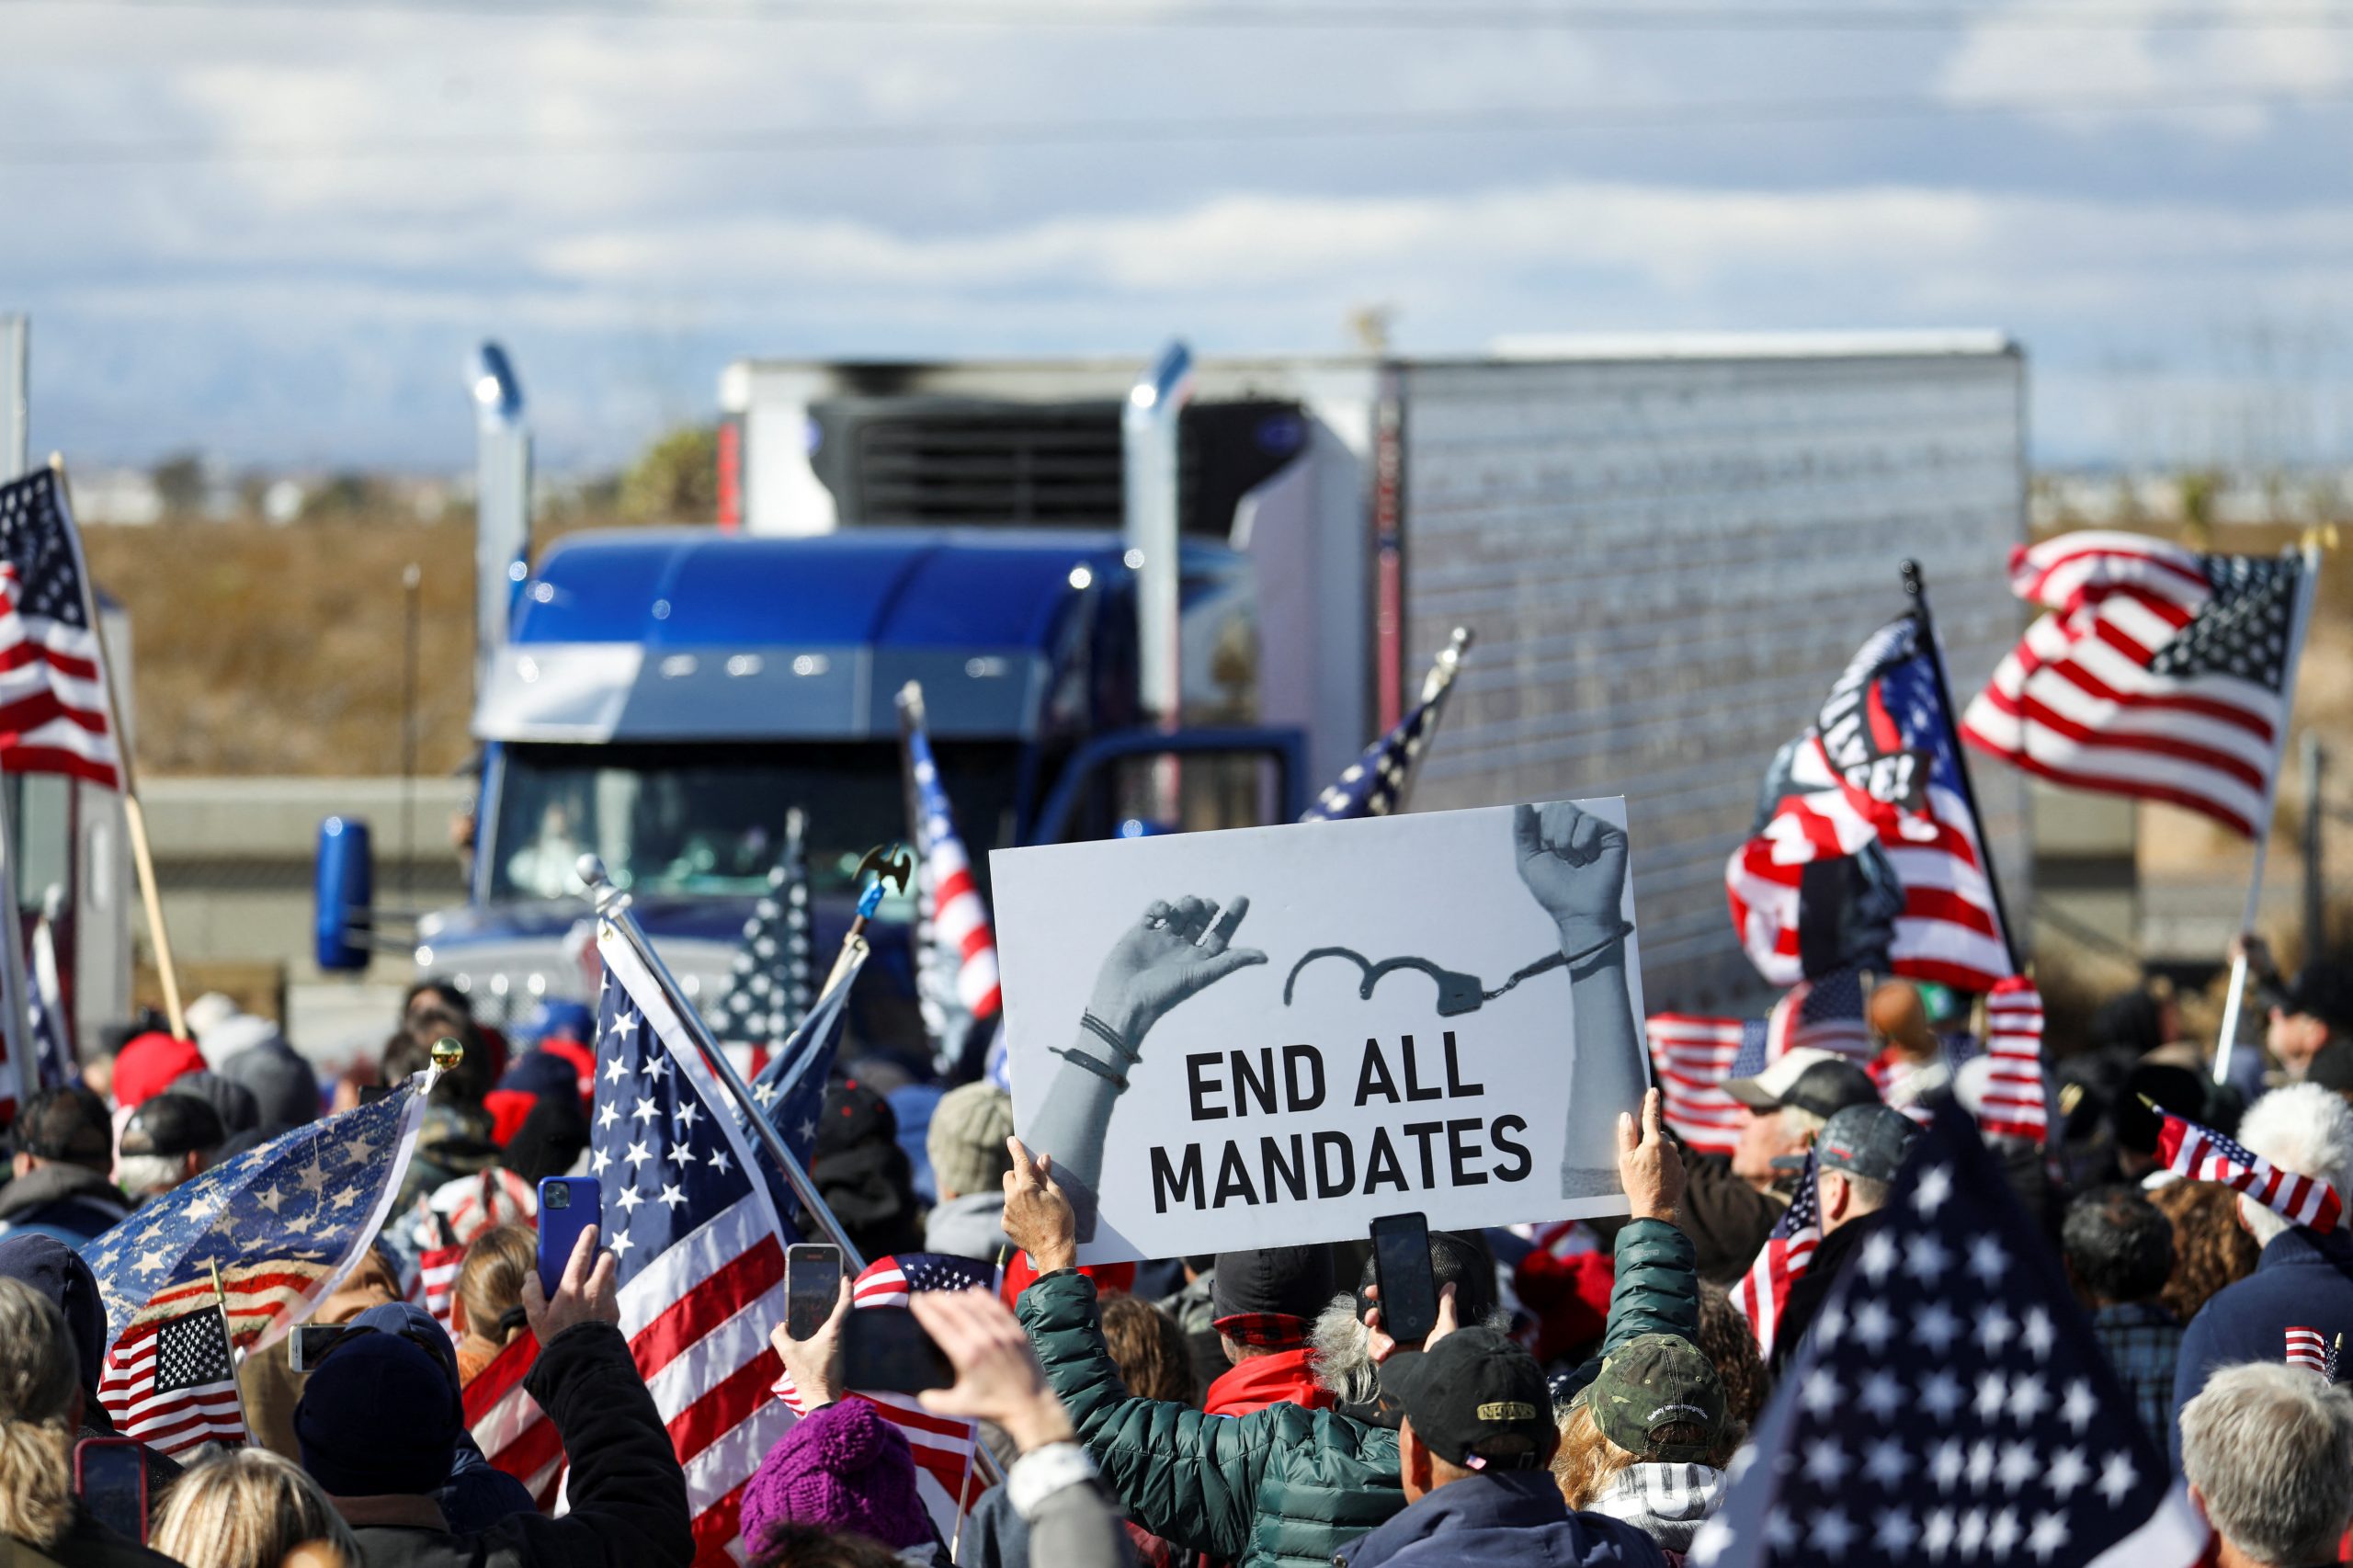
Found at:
<point>1187,594</point>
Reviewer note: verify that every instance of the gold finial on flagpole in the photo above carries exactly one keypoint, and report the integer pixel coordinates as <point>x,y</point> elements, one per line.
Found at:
<point>446,1054</point>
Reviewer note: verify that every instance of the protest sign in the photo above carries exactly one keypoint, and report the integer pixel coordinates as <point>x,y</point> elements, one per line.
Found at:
<point>1272,1036</point>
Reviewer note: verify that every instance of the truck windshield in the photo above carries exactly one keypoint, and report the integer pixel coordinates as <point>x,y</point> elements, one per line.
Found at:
<point>710,818</point>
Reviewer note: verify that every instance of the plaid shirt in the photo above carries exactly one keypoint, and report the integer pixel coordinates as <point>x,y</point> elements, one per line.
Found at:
<point>2142,1342</point>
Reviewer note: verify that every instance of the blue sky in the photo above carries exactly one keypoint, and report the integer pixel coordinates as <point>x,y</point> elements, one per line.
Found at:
<point>273,232</point>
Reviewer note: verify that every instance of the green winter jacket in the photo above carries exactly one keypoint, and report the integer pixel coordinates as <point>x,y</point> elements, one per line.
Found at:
<point>1286,1486</point>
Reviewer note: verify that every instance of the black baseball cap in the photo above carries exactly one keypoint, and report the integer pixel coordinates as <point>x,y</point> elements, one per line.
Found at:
<point>1818,1081</point>
<point>67,1123</point>
<point>1477,1400</point>
<point>1294,1281</point>
<point>1867,1141</point>
<point>173,1124</point>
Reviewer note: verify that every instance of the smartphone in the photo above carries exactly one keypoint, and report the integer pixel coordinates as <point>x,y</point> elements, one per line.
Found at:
<point>1401,1267</point>
<point>568,1205</point>
<point>884,1350</point>
<point>110,1477</point>
<point>311,1342</point>
<point>813,1283</point>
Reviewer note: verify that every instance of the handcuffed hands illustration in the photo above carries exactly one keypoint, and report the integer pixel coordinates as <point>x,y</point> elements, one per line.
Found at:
<point>1575,864</point>
<point>1175,952</point>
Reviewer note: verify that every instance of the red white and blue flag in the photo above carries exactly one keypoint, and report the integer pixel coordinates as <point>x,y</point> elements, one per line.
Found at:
<point>1764,1290</point>
<point>955,943</point>
<point>53,713</point>
<point>1692,1056</point>
<point>1877,774</point>
<point>2159,673</point>
<point>2200,1153</point>
<point>2015,1104</point>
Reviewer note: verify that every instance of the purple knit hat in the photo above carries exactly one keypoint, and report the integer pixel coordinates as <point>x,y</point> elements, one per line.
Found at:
<point>841,1468</point>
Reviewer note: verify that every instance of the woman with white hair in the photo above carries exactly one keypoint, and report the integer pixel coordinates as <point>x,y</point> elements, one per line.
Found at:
<point>2268,1451</point>
<point>2303,1280</point>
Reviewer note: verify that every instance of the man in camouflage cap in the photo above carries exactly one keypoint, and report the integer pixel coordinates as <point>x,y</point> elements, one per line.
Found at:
<point>1659,1399</point>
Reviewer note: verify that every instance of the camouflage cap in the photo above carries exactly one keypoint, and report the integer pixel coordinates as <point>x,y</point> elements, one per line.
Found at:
<point>1653,1382</point>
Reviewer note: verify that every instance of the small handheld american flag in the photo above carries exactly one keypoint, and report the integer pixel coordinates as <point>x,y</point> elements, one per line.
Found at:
<point>2305,1349</point>
<point>956,945</point>
<point>2200,1153</point>
<point>282,1224</point>
<point>1789,1249</point>
<point>770,988</point>
<point>1375,785</point>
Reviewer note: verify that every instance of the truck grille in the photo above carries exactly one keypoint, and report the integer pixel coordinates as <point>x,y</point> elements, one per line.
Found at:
<point>1055,467</point>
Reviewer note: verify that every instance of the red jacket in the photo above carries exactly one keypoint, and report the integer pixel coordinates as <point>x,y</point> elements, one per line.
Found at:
<point>1280,1378</point>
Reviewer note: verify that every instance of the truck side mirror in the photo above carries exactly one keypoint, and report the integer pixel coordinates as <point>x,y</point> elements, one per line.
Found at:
<point>344,884</point>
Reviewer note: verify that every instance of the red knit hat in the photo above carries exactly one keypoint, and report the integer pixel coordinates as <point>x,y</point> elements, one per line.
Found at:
<point>1111,1279</point>
<point>148,1064</point>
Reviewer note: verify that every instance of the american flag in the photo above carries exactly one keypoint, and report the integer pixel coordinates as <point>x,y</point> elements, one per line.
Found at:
<point>1879,771</point>
<point>771,986</point>
<point>2306,1348</point>
<point>284,1224</point>
<point>52,675</point>
<point>2200,1153</point>
<point>1693,1056</point>
<point>699,1243</point>
<point>792,1087</point>
<point>942,1445</point>
<point>2015,1103</point>
<point>955,945</point>
<point>1789,1249</point>
<point>2159,672</point>
<point>1950,1404</point>
<point>510,1428</point>
<point>1690,1057</point>
<point>1375,784</point>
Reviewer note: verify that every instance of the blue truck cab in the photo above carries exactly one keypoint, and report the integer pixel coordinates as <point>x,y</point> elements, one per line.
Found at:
<point>664,696</point>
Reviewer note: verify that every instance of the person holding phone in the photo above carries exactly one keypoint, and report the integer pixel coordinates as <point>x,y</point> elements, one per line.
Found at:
<point>380,1418</point>
<point>1286,1482</point>
<point>41,1411</point>
<point>822,1472</point>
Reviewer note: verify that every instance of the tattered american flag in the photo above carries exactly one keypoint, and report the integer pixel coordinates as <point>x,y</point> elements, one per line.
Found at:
<point>1788,1251</point>
<point>2200,1153</point>
<point>283,1223</point>
<point>1950,1404</point>
<point>942,1445</point>
<point>1879,771</point>
<point>53,716</point>
<point>2159,673</point>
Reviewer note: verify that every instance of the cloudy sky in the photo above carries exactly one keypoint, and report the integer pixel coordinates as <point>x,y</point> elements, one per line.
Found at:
<point>274,230</point>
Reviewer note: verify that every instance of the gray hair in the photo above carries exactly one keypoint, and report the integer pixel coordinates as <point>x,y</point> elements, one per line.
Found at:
<point>1342,1358</point>
<point>150,1175</point>
<point>2271,1450</point>
<point>2304,1129</point>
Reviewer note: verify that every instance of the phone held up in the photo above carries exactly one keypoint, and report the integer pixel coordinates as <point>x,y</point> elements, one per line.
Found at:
<point>110,1477</point>
<point>813,1283</point>
<point>568,1205</point>
<point>1401,1267</point>
<point>312,1343</point>
<point>884,1350</point>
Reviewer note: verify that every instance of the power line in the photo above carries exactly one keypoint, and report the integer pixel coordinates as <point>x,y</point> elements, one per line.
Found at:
<point>1734,114</point>
<point>1219,15</point>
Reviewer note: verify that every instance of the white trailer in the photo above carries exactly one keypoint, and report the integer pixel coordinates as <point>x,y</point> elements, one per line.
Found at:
<point>1666,546</point>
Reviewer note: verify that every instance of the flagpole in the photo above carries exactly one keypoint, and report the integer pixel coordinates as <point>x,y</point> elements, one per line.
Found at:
<point>1915,584</point>
<point>2227,1038</point>
<point>1435,685</point>
<point>16,1020</point>
<point>135,815</point>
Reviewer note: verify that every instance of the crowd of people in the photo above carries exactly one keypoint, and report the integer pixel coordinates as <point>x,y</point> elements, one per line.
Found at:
<point>1582,1399</point>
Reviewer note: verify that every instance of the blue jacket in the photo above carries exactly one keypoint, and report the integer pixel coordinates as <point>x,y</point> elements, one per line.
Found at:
<point>1515,1519</point>
<point>2301,1280</point>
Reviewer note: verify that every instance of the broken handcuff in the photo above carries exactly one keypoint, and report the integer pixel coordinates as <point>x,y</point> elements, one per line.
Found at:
<point>1457,993</point>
